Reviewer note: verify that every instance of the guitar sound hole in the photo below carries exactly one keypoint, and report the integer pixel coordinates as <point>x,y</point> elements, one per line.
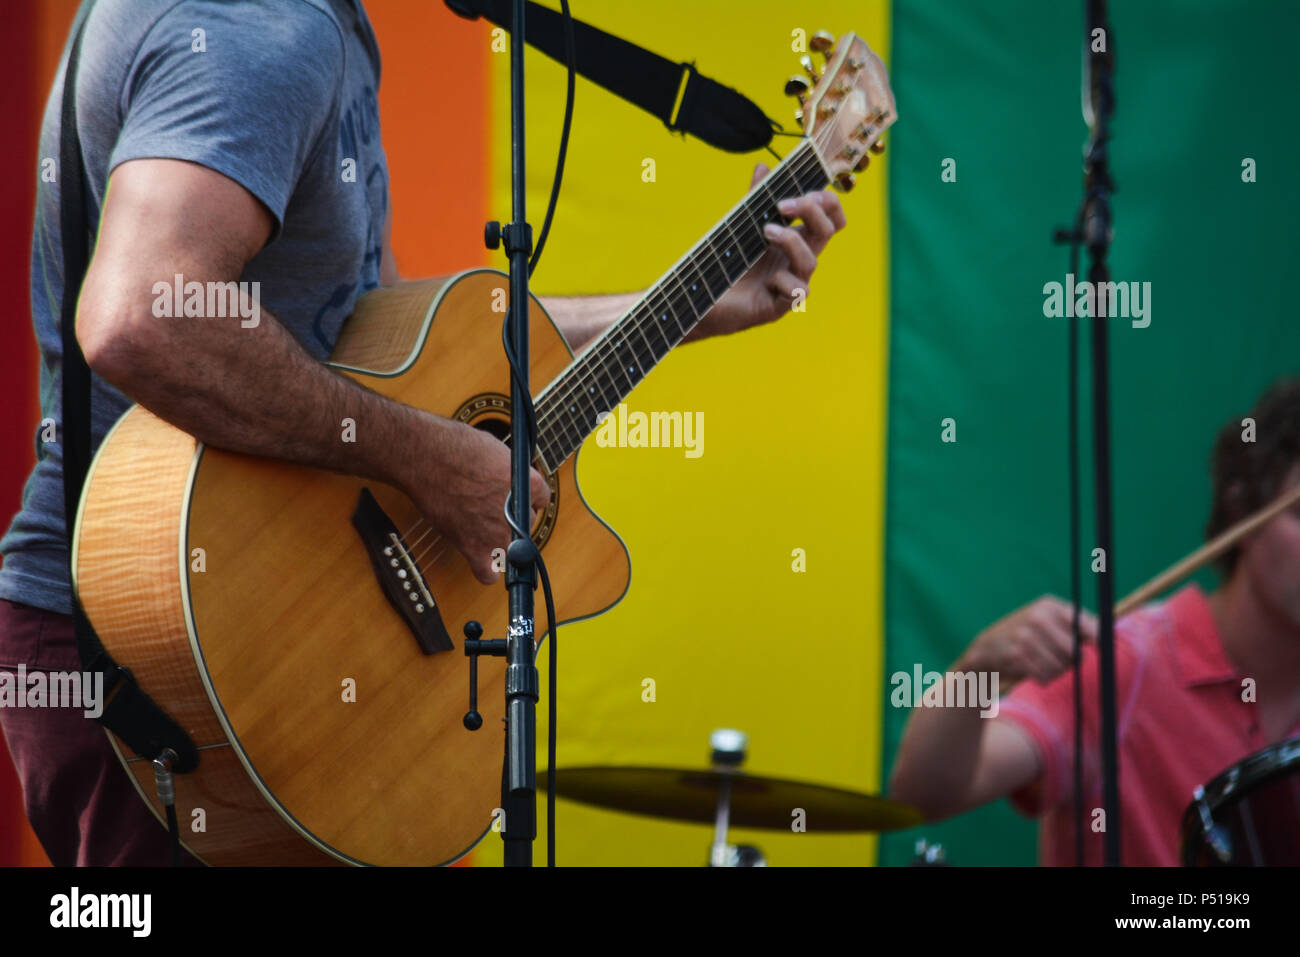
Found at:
<point>497,428</point>
<point>500,430</point>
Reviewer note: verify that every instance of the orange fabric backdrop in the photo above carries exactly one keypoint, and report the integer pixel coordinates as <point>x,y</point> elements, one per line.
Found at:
<point>434,102</point>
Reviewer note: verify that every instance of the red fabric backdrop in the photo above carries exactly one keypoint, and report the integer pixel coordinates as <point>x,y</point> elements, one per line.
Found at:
<point>31,35</point>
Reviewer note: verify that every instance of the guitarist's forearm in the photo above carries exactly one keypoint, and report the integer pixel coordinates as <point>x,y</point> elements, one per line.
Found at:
<point>242,382</point>
<point>256,391</point>
<point>582,318</point>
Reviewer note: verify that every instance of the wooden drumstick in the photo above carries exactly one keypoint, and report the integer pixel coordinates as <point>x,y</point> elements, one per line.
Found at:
<point>1207,552</point>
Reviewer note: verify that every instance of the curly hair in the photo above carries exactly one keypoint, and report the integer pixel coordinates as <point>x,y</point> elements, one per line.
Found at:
<point>1247,475</point>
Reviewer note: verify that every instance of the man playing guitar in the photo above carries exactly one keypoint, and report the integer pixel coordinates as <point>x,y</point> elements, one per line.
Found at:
<point>214,136</point>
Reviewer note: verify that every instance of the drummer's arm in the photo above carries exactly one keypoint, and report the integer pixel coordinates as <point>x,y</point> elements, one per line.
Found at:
<point>952,759</point>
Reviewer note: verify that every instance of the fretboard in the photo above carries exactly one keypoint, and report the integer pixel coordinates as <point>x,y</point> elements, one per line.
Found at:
<point>571,407</point>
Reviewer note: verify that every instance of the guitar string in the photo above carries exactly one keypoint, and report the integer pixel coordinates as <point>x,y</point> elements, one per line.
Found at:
<point>802,161</point>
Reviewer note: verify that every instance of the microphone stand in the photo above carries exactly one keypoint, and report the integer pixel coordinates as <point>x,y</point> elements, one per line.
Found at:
<point>519,773</point>
<point>1099,100</point>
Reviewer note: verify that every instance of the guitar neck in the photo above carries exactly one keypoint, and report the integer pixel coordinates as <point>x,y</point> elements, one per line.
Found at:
<point>572,406</point>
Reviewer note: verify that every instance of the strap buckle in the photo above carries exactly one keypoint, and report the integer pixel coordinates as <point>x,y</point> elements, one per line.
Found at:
<point>674,121</point>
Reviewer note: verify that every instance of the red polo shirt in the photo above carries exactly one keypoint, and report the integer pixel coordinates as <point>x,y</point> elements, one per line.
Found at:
<point>1181,722</point>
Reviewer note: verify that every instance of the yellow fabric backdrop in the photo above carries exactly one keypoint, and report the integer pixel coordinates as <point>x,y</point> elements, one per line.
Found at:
<point>793,454</point>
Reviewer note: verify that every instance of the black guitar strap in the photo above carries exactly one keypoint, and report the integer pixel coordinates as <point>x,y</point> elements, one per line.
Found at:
<point>127,711</point>
<point>717,114</point>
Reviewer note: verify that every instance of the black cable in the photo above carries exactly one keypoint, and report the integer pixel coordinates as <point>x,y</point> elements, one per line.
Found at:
<point>551,711</point>
<point>174,829</point>
<point>532,418</point>
<point>564,135</point>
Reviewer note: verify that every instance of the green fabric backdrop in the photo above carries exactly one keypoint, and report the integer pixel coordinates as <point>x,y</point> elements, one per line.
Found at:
<point>977,528</point>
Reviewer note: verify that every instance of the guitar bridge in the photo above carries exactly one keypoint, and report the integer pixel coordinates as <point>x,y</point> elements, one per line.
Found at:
<point>399,576</point>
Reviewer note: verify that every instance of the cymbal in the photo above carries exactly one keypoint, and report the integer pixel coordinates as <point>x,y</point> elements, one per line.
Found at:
<point>757,802</point>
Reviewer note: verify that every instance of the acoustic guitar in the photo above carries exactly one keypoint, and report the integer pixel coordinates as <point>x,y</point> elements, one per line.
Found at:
<point>302,625</point>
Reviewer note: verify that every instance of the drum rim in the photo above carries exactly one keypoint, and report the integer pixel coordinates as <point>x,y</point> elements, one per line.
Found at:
<point>1232,784</point>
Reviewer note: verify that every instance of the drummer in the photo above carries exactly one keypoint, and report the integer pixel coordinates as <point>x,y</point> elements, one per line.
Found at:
<point>1201,680</point>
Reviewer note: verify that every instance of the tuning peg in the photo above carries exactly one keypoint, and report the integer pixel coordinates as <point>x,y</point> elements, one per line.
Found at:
<point>806,62</point>
<point>877,147</point>
<point>797,86</point>
<point>863,163</point>
<point>823,43</point>
<point>845,181</point>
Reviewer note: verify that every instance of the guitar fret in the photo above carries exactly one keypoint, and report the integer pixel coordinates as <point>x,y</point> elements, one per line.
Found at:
<point>712,270</point>
<point>572,430</point>
<point>610,393</point>
<point>580,412</point>
<point>734,258</point>
<point>615,368</point>
<point>599,390</point>
<point>593,381</point>
<point>652,334</point>
<point>751,219</point>
<point>624,352</point>
<point>813,177</point>
<point>696,291</point>
<point>665,317</point>
<point>563,432</point>
<point>653,358</point>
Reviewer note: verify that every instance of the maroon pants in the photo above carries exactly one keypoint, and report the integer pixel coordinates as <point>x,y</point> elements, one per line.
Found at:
<point>80,800</point>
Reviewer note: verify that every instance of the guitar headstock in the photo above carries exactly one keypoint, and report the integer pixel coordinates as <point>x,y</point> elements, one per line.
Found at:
<point>845,109</point>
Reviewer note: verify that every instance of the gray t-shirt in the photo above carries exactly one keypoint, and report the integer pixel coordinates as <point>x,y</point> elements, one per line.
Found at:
<point>278,95</point>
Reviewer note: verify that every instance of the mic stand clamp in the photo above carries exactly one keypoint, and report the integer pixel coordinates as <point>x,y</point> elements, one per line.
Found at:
<point>496,647</point>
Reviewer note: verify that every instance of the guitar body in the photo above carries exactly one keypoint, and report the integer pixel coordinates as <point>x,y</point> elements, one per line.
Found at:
<point>244,600</point>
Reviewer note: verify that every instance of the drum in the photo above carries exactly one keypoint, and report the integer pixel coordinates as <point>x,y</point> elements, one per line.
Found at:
<point>1249,815</point>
